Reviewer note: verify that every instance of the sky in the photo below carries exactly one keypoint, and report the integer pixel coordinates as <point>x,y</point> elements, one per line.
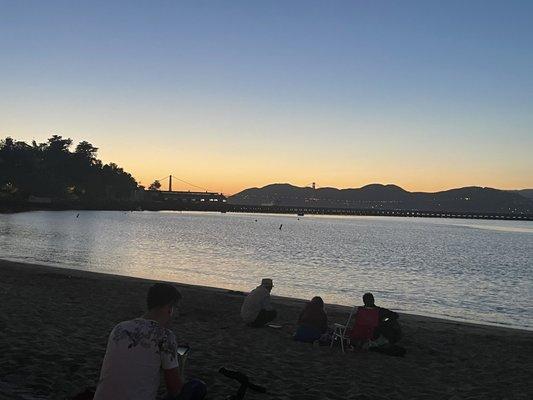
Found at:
<point>428,95</point>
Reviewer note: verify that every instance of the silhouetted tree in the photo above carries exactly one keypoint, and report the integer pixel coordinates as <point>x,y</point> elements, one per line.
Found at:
<point>59,145</point>
<point>155,185</point>
<point>86,151</point>
<point>50,169</point>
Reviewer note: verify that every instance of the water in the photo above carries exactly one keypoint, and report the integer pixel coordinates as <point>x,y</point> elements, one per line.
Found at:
<point>478,271</point>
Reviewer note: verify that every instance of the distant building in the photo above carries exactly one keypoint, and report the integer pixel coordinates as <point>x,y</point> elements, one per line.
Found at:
<point>181,197</point>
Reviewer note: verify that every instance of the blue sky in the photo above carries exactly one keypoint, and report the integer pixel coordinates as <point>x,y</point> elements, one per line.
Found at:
<point>428,95</point>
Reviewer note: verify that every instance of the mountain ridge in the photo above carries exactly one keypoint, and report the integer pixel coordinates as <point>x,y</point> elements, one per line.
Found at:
<point>389,197</point>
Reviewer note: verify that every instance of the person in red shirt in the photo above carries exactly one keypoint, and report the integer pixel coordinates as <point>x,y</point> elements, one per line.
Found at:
<point>372,321</point>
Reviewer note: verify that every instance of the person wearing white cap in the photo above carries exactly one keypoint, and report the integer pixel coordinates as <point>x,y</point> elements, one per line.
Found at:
<point>256,310</point>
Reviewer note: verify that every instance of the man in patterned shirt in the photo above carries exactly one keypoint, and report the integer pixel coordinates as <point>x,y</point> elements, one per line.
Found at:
<point>139,348</point>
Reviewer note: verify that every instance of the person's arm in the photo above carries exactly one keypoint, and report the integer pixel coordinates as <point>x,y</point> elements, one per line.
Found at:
<point>265,302</point>
<point>169,363</point>
<point>173,381</point>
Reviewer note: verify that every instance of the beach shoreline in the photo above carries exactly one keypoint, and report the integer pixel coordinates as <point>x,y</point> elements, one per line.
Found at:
<point>55,323</point>
<point>73,271</point>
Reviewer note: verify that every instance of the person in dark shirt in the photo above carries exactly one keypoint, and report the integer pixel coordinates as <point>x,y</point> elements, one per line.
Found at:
<point>313,321</point>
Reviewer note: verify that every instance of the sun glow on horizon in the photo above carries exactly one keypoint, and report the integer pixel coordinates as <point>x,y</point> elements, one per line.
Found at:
<point>229,173</point>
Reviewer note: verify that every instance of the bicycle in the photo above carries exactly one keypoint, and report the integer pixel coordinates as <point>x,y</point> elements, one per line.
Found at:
<point>244,381</point>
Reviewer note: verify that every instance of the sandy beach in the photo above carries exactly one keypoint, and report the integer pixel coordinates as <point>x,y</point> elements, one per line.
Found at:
<point>54,325</point>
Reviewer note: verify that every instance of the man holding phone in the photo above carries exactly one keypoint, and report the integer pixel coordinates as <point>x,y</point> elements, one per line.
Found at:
<point>139,348</point>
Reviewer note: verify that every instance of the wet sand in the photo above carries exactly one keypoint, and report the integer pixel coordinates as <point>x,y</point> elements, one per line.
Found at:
<point>54,325</point>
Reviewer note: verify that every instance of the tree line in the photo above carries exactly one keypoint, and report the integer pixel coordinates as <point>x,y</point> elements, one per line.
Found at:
<point>52,170</point>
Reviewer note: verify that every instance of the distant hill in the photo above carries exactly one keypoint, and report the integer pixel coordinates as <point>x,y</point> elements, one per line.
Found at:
<point>528,193</point>
<point>388,197</point>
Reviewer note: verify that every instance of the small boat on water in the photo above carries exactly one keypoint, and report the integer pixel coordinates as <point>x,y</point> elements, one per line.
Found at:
<point>300,214</point>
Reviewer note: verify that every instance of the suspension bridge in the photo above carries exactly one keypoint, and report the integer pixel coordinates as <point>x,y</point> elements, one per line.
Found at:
<point>198,199</point>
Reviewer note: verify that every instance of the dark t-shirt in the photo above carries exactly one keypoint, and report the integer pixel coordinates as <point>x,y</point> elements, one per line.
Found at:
<point>388,325</point>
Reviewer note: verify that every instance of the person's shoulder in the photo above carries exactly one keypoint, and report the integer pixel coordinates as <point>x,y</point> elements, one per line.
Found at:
<point>153,326</point>
<point>134,323</point>
<point>122,325</point>
<point>129,325</point>
<point>365,309</point>
<point>122,330</point>
<point>255,291</point>
<point>169,334</point>
<point>140,325</point>
<point>145,328</point>
<point>387,312</point>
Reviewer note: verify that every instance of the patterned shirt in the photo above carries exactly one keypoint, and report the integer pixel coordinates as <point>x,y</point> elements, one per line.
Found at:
<point>136,351</point>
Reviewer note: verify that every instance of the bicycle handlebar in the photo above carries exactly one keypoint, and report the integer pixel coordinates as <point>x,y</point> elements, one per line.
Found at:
<point>242,379</point>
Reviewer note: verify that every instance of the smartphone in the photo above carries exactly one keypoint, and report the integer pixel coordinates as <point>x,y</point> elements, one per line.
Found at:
<point>183,349</point>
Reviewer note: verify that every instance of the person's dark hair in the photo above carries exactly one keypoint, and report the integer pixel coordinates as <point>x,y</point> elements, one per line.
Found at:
<point>368,300</point>
<point>317,301</point>
<point>313,313</point>
<point>161,294</point>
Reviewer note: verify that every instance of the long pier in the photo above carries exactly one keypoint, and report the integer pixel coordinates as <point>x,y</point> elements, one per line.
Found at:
<point>375,212</point>
<point>221,206</point>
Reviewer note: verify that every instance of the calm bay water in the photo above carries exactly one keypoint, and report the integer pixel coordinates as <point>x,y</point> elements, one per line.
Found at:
<point>479,271</point>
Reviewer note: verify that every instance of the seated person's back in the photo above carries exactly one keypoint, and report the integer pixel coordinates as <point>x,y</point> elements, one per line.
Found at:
<point>366,322</point>
<point>256,309</point>
<point>313,321</point>
<point>138,349</point>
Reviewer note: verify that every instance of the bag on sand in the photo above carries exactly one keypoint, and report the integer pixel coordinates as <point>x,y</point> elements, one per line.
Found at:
<point>87,394</point>
<point>391,350</point>
<point>391,330</point>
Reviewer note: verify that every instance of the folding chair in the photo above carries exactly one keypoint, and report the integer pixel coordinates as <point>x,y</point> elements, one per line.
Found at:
<point>339,331</point>
<point>366,322</point>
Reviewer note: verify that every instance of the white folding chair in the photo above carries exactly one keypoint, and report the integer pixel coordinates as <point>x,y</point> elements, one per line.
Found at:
<point>339,331</point>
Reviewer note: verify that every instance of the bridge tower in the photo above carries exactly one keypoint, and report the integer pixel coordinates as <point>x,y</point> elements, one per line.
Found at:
<point>314,186</point>
<point>170,183</point>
